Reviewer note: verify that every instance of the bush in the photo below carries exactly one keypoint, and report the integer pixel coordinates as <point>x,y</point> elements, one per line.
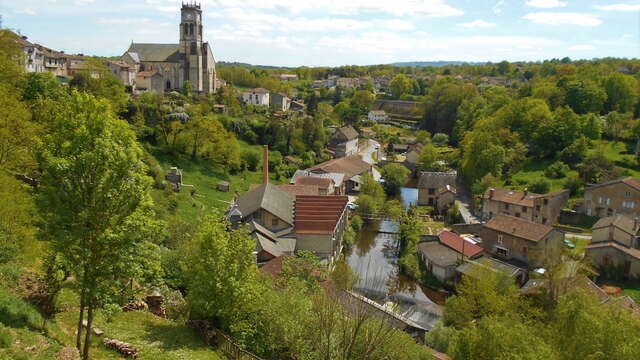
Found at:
<point>15,312</point>
<point>556,170</point>
<point>251,159</point>
<point>573,184</point>
<point>5,338</point>
<point>356,223</point>
<point>540,186</point>
<point>440,139</point>
<point>111,310</point>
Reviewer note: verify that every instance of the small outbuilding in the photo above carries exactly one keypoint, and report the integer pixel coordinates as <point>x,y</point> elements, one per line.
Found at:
<point>224,186</point>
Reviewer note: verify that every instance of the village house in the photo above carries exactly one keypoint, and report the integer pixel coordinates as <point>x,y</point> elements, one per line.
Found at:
<point>621,196</point>
<point>377,115</point>
<point>474,268</point>
<point>352,167</point>
<point>257,97</point>
<point>284,77</point>
<point>344,142</point>
<point>615,243</point>
<point>516,239</point>
<point>149,81</point>
<point>540,208</point>
<point>297,105</point>
<point>412,157</point>
<point>431,183</point>
<point>284,220</point>
<point>443,253</point>
<point>279,102</point>
<point>326,186</point>
<point>123,71</point>
<point>336,179</point>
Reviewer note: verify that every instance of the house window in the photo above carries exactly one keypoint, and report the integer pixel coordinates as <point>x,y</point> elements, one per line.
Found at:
<point>517,215</point>
<point>502,251</point>
<point>544,221</point>
<point>432,191</point>
<point>274,222</point>
<point>500,238</point>
<point>524,209</point>
<point>537,207</point>
<point>589,211</point>
<point>627,194</point>
<point>545,201</point>
<point>524,249</point>
<point>506,206</point>
<point>628,204</point>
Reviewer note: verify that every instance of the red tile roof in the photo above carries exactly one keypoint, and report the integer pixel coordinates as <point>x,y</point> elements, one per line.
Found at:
<point>300,189</point>
<point>509,196</point>
<point>457,243</point>
<point>350,166</point>
<point>318,214</point>
<point>518,227</point>
<point>323,183</point>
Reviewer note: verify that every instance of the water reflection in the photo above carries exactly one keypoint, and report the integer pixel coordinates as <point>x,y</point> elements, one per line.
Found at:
<point>409,196</point>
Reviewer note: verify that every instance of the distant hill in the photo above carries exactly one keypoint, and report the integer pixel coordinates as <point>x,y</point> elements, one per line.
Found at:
<point>435,63</point>
<point>248,66</point>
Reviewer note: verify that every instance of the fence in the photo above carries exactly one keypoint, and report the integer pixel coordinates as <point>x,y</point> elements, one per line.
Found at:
<point>233,350</point>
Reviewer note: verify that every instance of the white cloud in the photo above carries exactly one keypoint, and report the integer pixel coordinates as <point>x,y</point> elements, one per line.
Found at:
<point>619,7</point>
<point>399,25</point>
<point>438,8</point>
<point>497,8</point>
<point>477,24</point>
<point>581,48</point>
<point>546,4</point>
<point>27,11</point>
<point>556,18</point>
<point>125,21</point>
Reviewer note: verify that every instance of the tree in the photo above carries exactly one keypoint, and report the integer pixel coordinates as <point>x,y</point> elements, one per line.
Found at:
<point>592,126</point>
<point>186,88</point>
<point>428,157</point>
<point>553,95</point>
<point>441,105</point>
<point>400,85</point>
<point>17,133</point>
<point>557,132</point>
<point>363,98</point>
<point>440,139</point>
<point>585,96</point>
<point>540,186</point>
<point>93,197</point>
<point>222,274</point>
<point>622,93</point>
<point>395,176</point>
<point>16,218</point>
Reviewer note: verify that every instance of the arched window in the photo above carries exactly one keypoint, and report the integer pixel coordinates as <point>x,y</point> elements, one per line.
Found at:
<point>191,29</point>
<point>168,85</point>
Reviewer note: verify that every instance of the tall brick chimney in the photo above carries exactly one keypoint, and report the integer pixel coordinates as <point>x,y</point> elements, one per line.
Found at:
<point>265,164</point>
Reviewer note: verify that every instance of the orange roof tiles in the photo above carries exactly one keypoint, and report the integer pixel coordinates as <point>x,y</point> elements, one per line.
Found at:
<point>459,244</point>
<point>318,214</point>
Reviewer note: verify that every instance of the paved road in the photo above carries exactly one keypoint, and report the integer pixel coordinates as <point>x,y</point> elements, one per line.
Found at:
<point>464,204</point>
<point>367,151</point>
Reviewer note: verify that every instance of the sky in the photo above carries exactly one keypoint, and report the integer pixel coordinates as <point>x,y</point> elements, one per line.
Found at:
<point>343,32</point>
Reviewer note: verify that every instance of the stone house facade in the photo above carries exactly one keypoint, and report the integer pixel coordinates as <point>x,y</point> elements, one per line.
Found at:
<point>279,102</point>
<point>511,238</point>
<point>377,115</point>
<point>257,97</point>
<point>539,208</point>
<point>615,242</point>
<point>431,184</point>
<point>344,142</point>
<point>615,197</point>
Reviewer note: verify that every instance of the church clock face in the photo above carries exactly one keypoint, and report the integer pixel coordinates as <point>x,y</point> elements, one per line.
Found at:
<point>189,16</point>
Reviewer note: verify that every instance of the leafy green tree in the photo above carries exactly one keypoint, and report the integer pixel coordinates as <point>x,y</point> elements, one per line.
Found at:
<point>428,157</point>
<point>400,85</point>
<point>440,139</point>
<point>558,132</point>
<point>622,93</point>
<point>441,105</point>
<point>93,196</point>
<point>17,233</point>
<point>42,85</point>
<point>574,153</point>
<point>585,96</point>
<point>12,59</point>
<point>17,133</point>
<point>395,176</point>
<point>592,126</point>
<point>540,186</point>
<point>553,95</point>
<point>557,170</point>
<point>363,98</point>
<point>186,88</point>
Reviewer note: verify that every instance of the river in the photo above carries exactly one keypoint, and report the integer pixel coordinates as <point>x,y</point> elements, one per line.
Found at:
<point>374,258</point>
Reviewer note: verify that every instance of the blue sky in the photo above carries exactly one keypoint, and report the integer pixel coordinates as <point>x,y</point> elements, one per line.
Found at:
<point>338,32</point>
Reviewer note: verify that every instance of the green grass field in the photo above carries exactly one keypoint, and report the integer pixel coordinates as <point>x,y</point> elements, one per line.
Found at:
<point>205,178</point>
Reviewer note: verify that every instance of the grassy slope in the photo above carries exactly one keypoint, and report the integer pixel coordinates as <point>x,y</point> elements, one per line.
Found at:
<point>205,177</point>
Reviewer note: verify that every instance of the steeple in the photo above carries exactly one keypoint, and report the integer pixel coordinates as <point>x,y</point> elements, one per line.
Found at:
<point>191,25</point>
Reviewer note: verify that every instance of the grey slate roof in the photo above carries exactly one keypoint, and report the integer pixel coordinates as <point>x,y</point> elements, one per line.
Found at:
<point>336,177</point>
<point>276,244</point>
<point>437,179</point>
<point>269,198</point>
<point>346,133</point>
<point>156,52</point>
<point>488,262</point>
<point>622,222</point>
<point>439,254</point>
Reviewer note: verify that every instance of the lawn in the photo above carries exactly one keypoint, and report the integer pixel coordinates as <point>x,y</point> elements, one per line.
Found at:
<point>154,337</point>
<point>621,153</point>
<point>205,178</point>
<point>532,170</point>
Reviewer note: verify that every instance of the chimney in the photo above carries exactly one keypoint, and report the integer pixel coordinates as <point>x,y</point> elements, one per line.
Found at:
<point>491,192</point>
<point>526,192</point>
<point>265,164</point>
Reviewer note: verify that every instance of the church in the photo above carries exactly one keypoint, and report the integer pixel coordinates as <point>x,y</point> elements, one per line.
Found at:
<point>165,67</point>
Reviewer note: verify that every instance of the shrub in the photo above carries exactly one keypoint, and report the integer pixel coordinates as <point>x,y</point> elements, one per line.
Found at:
<point>15,312</point>
<point>540,186</point>
<point>111,310</point>
<point>5,338</point>
<point>440,139</point>
<point>556,170</point>
<point>573,184</point>
<point>356,223</point>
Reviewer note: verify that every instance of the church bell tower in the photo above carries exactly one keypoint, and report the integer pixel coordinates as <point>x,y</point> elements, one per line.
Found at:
<point>191,44</point>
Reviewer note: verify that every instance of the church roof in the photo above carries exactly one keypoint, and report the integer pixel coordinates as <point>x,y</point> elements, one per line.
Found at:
<point>156,52</point>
